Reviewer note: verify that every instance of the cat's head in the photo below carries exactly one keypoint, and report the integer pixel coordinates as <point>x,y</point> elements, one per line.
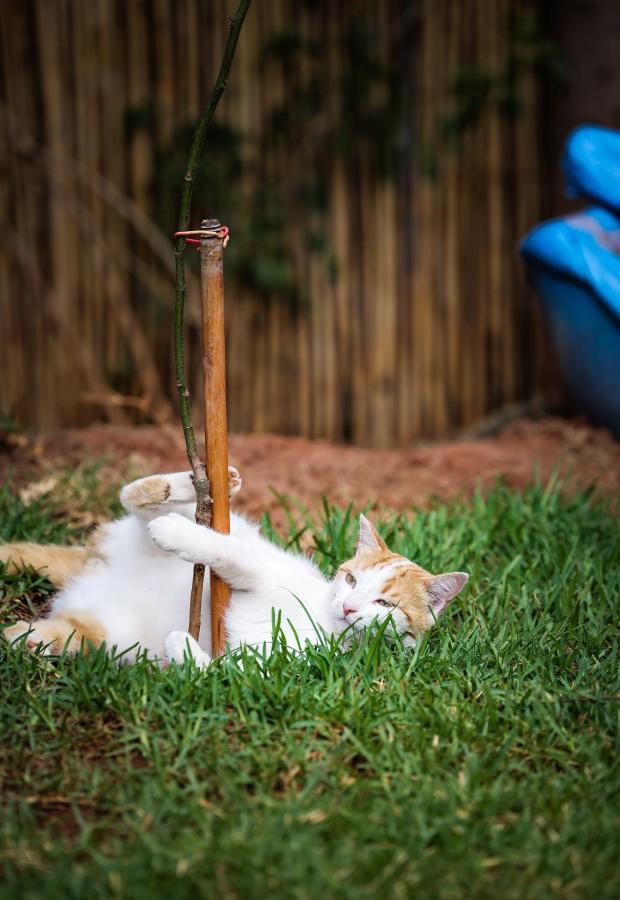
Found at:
<point>377,583</point>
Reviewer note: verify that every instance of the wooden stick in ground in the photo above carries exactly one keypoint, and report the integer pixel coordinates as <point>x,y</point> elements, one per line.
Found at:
<point>216,430</point>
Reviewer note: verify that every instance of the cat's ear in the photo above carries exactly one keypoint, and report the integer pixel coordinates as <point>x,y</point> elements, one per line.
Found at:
<point>441,589</point>
<point>369,538</point>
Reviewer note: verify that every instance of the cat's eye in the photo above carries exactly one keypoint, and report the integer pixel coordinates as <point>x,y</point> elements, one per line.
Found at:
<point>383,602</point>
<point>350,579</point>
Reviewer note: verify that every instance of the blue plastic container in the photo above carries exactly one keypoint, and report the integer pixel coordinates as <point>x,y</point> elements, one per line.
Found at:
<point>574,264</point>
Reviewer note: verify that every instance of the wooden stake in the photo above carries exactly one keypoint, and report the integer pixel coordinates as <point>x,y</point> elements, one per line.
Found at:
<point>201,481</point>
<point>216,431</point>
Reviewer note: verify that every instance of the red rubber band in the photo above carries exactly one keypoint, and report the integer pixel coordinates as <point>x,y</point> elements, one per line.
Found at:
<point>222,233</point>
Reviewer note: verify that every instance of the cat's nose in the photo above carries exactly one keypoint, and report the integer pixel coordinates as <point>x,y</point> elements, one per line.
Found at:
<point>347,610</point>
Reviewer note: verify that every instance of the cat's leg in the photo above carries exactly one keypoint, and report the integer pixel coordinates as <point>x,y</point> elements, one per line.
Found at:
<point>58,563</point>
<point>227,556</point>
<point>179,645</point>
<point>58,633</point>
<point>147,495</point>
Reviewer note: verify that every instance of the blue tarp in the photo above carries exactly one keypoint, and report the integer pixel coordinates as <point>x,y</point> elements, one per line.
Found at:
<point>574,265</point>
<point>584,247</point>
<point>591,165</point>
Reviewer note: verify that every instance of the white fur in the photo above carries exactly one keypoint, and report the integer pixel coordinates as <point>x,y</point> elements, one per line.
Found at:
<point>357,605</point>
<point>139,591</point>
<point>264,580</point>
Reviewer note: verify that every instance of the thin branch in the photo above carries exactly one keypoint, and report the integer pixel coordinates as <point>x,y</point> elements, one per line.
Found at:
<point>201,482</point>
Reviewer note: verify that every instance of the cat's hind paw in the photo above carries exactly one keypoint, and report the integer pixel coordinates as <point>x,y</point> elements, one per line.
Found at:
<point>179,645</point>
<point>35,638</point>
<point>20,629</point>
<point>146,492</point>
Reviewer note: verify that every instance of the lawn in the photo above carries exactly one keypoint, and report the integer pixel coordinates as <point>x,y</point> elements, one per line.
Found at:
<point>482,764</point>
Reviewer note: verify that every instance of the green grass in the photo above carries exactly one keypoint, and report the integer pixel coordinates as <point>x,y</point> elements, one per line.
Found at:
<point>483,764</point>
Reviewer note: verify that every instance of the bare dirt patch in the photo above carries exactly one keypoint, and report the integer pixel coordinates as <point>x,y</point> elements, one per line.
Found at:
<point>307,470</point>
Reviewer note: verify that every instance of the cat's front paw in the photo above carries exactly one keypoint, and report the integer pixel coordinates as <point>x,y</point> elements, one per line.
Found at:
<point>234,481</point>
<point>171,532</point>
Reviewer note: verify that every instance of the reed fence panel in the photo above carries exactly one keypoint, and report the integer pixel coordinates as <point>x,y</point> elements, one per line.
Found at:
<point>422,325</point>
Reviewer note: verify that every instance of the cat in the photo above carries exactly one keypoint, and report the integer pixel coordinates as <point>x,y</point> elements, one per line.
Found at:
<point>132,591</point>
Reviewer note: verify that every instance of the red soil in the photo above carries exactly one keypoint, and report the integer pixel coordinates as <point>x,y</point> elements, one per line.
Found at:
<point>307,470</point>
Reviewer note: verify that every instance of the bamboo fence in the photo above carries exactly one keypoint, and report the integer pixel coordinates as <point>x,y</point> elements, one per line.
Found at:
<point>428,326</point>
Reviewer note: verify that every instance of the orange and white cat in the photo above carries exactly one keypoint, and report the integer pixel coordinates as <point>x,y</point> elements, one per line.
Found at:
<point>132,590</point>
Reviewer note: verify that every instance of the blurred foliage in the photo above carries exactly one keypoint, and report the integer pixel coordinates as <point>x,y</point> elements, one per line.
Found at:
<point>474,90</point>
<point>273,185</point>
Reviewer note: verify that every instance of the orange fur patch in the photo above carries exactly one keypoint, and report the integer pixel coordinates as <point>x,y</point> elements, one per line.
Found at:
<point>59,564</point>
<point>73,632</point>
<point>148,492</point>
<point>372,559</point>
<point>407,588</point>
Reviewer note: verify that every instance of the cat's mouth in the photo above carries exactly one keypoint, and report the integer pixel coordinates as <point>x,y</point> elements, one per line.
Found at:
<point>349,619</point>
<point>352,620</point>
